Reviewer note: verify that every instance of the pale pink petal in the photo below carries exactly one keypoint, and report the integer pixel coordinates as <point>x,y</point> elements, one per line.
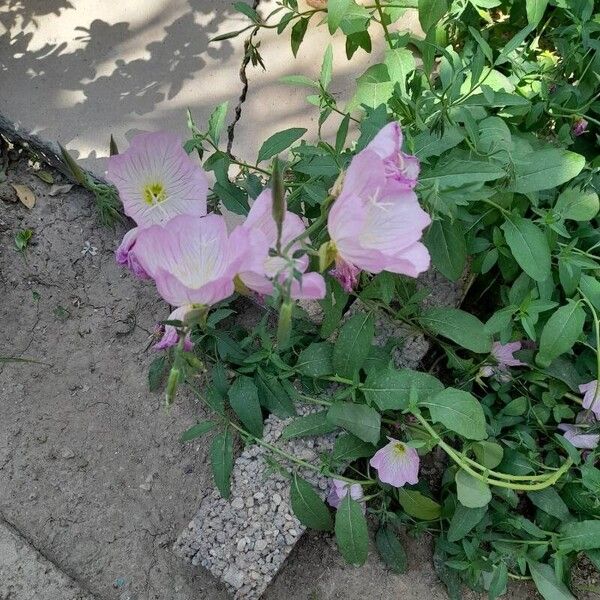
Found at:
<point>411,261</point>
<point>394,221</point>
<point>590,400</point>
<point>396,464</point>
<point>157,161</point>
<point>125,254</point>
<point>311,287</point>
<point>503,353</point>
<point>339,490</point>
<point>577,436</point>
<point>192,260</point>
<point>346,273</point>
<point>170,336</point>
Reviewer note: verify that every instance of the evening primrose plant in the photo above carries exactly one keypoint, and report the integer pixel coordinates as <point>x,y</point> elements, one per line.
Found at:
<point>474,154</point>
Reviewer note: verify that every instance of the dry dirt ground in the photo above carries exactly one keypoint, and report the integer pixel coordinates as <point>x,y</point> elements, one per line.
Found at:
<point>91,472</point>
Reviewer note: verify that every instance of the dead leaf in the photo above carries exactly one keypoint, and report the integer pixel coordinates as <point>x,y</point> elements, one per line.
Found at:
<point>26,196</point>
<point>56,189</point>
<point>45,176</point>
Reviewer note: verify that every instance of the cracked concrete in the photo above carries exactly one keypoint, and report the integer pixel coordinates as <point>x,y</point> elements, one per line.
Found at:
<point>91,470</point>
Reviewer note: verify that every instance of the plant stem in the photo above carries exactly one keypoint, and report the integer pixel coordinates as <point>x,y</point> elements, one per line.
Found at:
<point>386,32</point>
<point>459,460</point>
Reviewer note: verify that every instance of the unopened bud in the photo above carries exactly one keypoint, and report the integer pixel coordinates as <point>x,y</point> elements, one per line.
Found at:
<point>172,384</point>
<point>284,326</point>
<point>579,127</point>
<point>279,204</point>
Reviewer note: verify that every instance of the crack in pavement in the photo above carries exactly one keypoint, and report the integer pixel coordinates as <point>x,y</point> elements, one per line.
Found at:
<point>245,85</point>
<point>12,528</point>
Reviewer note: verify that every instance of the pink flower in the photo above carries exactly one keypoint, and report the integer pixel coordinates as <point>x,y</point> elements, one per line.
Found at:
<point>503,354</point>
<point>339,490</point>
<point>591,398</point>
<point>170,336</point>
<point>376,223</point>
<point>576,434</point>
<point>396,464</point>
<point>579,127</point>
<point>260,269</point>
<point>156,181</point>
<point>399,168</point>
<point>192,260</point>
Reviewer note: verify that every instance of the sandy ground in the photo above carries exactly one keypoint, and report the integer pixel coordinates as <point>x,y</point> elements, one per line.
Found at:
<point>91,472</point>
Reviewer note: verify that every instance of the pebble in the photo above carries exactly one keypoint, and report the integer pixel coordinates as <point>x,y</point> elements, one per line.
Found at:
<point>67,453</point>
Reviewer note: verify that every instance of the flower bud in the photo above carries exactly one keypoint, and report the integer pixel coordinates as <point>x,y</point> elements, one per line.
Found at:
<point>196,315</point>
<point>172,384</point>
<point>327,253</point>
<point>284,326</point>
<point>579,127</point>
<point>279,204</point>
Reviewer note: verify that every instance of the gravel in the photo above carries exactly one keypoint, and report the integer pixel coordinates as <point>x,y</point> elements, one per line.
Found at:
<point>244,541</point>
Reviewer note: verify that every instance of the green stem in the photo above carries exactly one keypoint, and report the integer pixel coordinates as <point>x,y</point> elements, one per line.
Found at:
<point>298,461</point>
<point>459,460</point>
<point>386,31</point>
<point>597,332</point>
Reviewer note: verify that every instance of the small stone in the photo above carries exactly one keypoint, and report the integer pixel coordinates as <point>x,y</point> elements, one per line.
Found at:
<point>250,502</point>
<point>260,545</point>
<point>241,545</point>
<point>146,487</point>
<point>277,499</point>
<point>237,503</point>
<point>67,453</point>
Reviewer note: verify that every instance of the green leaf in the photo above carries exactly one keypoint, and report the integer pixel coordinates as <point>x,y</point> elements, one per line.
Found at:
<point>351,532</point>
<point>298,80</point>
<point>243,398</point>
<point>447,245</point>
<point>583,535</point>
<point>590,286</point>
<point>459,411</point>
<point>359,419</point>
<point>529,246</point>
<point>577,204</point>
<point>430,12</point>
<point>336,11</point>
<point>216,122</point>
<point>489,454</point>
<point>429,143</point>
<point>418,506</point>
<point>197,431</point>
<point>498,581</point>
<point>373,88</point>
<point>456,173</point>
<point>327,67</point>
<point>353,345</point>
<point>390,549</point>
<point>400,63</point>
<point>390,388</point>
<point>471,492</point>
<point>221,456</point>
<point>316,360</point>
<point>349,448</point>
<point>247,10</point>
<point>308,506</point>
<point>535,10</point>
<point>550,502</point>
<point>273,396</point>
<point>545,169</point>
<point>279,141</point>
<point>298,33</point>
<point>309,425</point>
<point>233,198</point>
<point>545,581</point>
<point>459,326</point>
<point>463,520</point>
<point>560,332</point>
<point>333,306</point>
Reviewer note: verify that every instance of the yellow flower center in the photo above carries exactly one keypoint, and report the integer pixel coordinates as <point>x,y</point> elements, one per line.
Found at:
<point>154,193</point>
<point>399,449</point>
